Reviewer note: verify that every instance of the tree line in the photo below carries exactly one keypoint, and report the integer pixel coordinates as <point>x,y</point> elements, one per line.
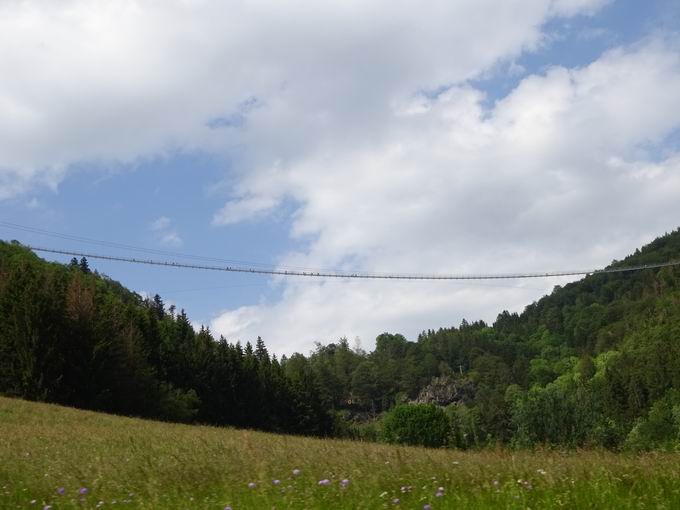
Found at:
<point>595,363</point>
<point>74,337</point>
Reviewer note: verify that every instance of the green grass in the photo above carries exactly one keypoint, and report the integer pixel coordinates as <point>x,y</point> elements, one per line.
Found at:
<point>129,463</point>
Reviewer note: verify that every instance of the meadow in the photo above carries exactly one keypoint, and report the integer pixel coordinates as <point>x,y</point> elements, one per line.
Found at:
<point>54,457</point>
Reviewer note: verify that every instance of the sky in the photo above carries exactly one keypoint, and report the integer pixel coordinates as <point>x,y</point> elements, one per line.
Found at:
<point>459,136</point>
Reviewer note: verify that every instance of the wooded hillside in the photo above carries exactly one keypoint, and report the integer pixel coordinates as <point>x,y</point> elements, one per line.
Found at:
<point>597,362</point>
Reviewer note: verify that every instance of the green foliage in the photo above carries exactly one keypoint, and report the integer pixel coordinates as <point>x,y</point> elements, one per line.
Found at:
<point>660,427</point>
<point>71,336</point>
<point>465,427</point>
<point>595,363</point>
<point>416,424</point>
<point>178,405</point>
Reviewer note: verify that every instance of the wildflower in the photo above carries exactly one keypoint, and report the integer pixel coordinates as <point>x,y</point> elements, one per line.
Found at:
<point>252,485</point>
<point>47,507</point>
<point>276,482</point>
<point>495,483</point>
<point>406,488</point>
<point>61,491</point>
<point>344,483</point>
<point>427,506</point>
<point>395,501</point>
<point>228,507</point>
<point>33,502</point>
<point>439,494</point>
<point>296,472</point>
<point>83,491</point>
<point>325,482</point>
<point>541,471</point>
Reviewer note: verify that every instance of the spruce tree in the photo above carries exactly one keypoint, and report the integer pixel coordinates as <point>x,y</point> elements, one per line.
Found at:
<point>84,266</point>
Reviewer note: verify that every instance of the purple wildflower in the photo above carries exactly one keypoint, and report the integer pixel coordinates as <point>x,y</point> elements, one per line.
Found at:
<point>276,482</point>
<point>227,507</point>
<point>344,483</point>
<point>439,494</point>
<point>47,507</point>
<point>325,482</point>
<point>61,491</point>
<point>83,491</point>
<point>427,506</point>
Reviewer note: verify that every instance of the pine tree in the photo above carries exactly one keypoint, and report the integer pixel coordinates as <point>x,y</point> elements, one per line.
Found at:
<point>261,352</point>
<point>158,306</point>
<point>84,266</point>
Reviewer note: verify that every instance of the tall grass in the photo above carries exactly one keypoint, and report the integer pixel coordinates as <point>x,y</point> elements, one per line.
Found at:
<point>131,463</point>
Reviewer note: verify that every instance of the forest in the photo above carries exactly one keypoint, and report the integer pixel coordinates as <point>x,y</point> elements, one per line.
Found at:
<point>594,364</point>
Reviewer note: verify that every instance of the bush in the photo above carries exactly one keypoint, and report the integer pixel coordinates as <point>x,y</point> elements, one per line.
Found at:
<point>465,426</point>
<point>660,428</point>
<point>416,424</point>
<point>178,405</point>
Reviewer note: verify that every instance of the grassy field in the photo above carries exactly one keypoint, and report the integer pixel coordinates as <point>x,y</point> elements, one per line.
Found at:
<point>48,454</point>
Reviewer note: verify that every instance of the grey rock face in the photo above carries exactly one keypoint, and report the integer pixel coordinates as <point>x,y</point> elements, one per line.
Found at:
<point>446,390</point>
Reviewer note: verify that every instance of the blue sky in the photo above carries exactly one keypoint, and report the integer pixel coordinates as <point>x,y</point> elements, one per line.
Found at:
<point>121,204</point>
<point>286,134</point>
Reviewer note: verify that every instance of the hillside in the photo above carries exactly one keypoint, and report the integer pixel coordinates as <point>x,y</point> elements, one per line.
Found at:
<point>69,335</point>
<point>49,454</point>
<point>595,363</point>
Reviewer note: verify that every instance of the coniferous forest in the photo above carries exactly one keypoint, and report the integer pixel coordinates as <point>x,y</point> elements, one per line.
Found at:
<point>595,363</point>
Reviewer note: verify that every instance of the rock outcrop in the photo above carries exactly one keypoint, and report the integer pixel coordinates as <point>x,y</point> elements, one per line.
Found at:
<point>446,390</point>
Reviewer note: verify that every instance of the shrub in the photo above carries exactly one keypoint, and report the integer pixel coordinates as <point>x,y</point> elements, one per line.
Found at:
<point>465,426</point>
<point>416,424</point>
<point>660,428</point>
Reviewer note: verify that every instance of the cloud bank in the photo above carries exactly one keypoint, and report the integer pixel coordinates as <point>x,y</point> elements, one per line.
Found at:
<point>366,117</point>
<point>112,82</point>
<point>570,170</point>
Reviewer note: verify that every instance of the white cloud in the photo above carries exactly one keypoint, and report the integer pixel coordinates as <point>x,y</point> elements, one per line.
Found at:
<point>572,7</point>
<point>110,82</point>
<point>164,233</point>
<point>568,171</point>
<point>161,223</point>
<point>245,208</point>
<point>564,172</point>
<point>171,239</point>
